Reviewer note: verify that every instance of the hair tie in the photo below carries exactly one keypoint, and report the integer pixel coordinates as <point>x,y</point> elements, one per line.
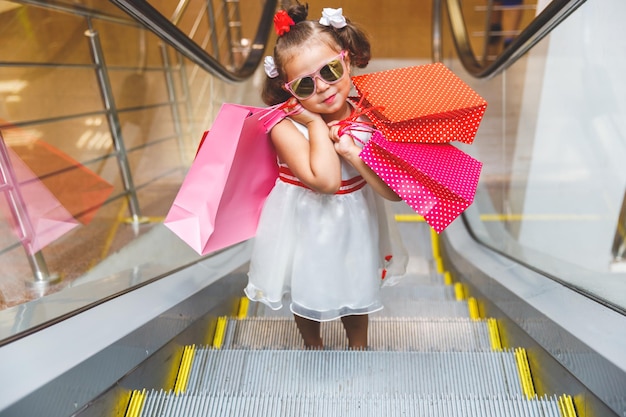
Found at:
<point>333,17</point>
<point>270,67</point>
<point>282,22</point>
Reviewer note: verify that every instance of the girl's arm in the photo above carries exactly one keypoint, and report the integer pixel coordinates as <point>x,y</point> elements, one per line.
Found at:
<point>314,161</point>
<point>348,150</point>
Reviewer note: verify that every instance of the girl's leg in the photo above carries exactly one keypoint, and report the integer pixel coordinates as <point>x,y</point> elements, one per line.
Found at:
<point>310,331</point>
<point>356,330</point>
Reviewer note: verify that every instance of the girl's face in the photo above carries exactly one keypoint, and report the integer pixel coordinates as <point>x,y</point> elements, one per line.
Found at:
<point>328,98</point>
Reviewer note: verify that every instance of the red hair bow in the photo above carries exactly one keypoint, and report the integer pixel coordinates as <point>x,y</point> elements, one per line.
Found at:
<point>282,22</point>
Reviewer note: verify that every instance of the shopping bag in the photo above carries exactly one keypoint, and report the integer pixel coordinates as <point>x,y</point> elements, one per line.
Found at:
<point>438,181</point>
<point>36,217</point>
<point>220,200</point>
<point>80,190</point>
<point>424,103</point>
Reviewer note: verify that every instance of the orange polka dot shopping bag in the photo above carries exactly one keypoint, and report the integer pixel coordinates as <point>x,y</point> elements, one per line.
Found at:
<point>424,103</point>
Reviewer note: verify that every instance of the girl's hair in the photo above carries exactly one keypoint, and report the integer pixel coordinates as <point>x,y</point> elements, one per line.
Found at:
<point>349,38</point>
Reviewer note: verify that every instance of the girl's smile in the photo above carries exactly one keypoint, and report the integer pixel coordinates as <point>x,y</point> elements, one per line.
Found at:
<point>327,98</point>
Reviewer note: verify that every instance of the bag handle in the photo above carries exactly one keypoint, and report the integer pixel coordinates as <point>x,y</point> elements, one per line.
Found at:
<point>277,113</point>
<point>351,123</point>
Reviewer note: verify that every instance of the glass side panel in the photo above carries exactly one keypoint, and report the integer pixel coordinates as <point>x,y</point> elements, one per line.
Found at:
<point>75,140</point>
<point>29,28</point>
<point>129,46</point>
<point>75,92</point>
<point>553,143</point>
<point>104,125</point>
<point>102,172</point>
<point>154,161</point>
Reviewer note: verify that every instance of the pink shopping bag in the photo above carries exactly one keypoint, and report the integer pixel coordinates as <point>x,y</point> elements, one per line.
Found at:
<point>437,180</point>
<point>35,215</point>
<point>220,200</point>
<point>423,103</point>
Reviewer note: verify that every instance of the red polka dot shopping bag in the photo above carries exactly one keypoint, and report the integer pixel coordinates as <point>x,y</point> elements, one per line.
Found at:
<point>424,103</point>
<point>438,181</point>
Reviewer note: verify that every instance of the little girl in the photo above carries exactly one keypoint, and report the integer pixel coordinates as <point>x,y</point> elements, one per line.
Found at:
<point>319,236</point>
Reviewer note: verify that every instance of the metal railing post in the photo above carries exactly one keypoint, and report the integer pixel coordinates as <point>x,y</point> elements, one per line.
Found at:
<point>235,26</point>
<point>19,211</point>
<point>114,123</point>
<point>229,37</point>
<point>436,34</point>
<point>212,24</point>
<point>486,41</point>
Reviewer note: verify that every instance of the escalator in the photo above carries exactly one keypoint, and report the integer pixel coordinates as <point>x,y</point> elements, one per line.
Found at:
<point>468,332</point>
<point>430,354</point>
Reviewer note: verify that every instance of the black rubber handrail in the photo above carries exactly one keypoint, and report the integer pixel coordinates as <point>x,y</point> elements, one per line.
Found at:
<point>153,20</point>
<point>542,25</point>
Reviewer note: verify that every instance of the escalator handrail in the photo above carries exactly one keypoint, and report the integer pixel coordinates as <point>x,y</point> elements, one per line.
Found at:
<point>549,18</point>
<point>160,25</point>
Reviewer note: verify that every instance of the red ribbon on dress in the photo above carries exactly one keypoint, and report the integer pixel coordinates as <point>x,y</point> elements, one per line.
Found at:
<point>347,186</point>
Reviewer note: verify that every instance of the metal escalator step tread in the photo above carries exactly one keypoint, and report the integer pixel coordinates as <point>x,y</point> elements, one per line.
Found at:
<point>403,307</point>
<point>354,372</point>
<point>411,278</point>
<point>437,292</point>
<point>339,405</point>
<point>393,308</point>
<point>395,334</point>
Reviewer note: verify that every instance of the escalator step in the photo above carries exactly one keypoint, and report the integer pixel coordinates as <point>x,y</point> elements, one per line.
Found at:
<point>354,372</point>
<point>159,403</point>
<point>438,292</point>
<point>400,307</point>
<point>395,334</point>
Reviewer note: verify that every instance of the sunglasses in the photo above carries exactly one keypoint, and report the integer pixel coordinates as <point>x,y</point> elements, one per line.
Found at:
<point>331,72</point>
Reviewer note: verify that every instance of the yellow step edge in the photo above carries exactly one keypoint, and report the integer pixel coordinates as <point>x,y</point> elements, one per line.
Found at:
<point>135,404</point>
<point>472,306</point>
<point>447,278</point>
<point>409,218</point>
<point>494,334</point>
<point>220,332</point>
<point>145,219</point>
<point>439,265</point>
<point>184,370</point>
<point>244,303</point>
<point>434,243</point>
<point>523,369</point>
<point>566,406</point>
<point>459,291</point>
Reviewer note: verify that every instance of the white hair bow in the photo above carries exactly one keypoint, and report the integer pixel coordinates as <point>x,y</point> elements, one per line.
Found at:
<point>333,17</point>
<point>270,67</point>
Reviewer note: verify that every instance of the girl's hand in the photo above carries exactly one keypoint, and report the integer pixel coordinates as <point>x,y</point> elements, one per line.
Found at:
<point>344,144</point>
<point>300,115</point>
<point>349,150</point>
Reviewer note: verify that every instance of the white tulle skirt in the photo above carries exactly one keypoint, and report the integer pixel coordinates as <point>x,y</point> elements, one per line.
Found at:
<point>322,254</point>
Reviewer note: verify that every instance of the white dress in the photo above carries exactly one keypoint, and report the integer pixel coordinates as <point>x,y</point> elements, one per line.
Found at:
<point>323,254</point>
